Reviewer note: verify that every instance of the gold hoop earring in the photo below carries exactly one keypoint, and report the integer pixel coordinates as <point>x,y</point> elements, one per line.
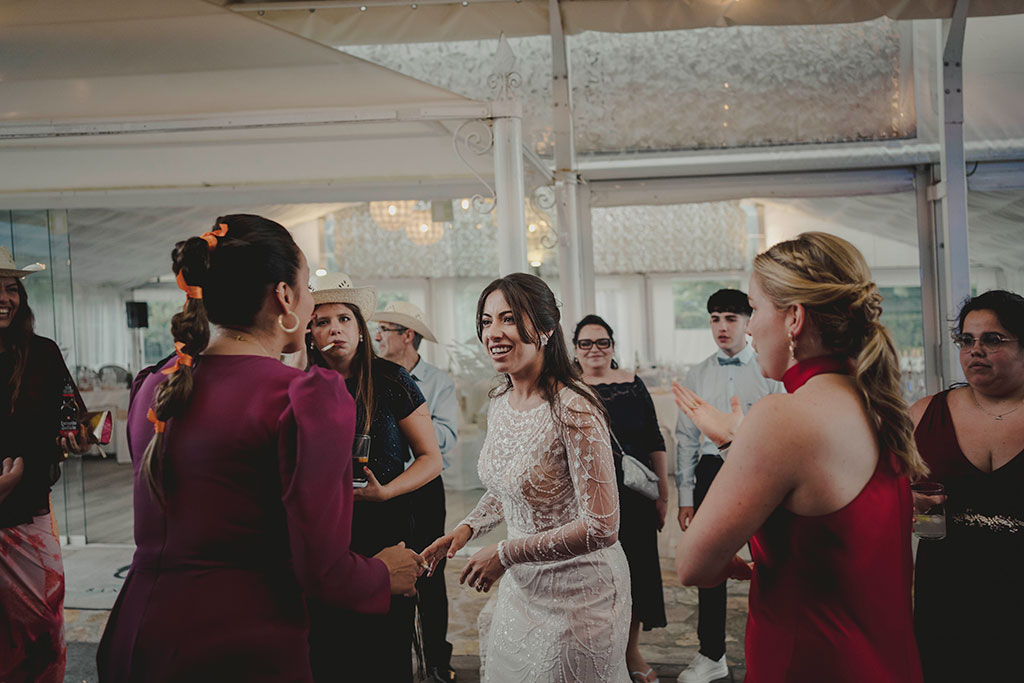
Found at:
<point>293,328</point>
<point>792,346</point>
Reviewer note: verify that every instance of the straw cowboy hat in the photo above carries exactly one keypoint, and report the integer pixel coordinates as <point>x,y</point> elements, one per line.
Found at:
<point>7,267</point>
<point>407,315</point>
<point>337,288</point>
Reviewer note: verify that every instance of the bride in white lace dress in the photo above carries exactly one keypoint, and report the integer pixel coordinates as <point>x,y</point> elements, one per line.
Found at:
<point>563,610</point>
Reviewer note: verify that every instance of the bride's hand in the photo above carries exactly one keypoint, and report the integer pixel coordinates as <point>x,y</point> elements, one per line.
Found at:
<point>713,423</point>
<point>483,569</point>
<point>446,546</point>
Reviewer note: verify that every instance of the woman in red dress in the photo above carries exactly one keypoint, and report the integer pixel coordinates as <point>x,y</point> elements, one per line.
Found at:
<point>243,490</point>
<point>816,479</point>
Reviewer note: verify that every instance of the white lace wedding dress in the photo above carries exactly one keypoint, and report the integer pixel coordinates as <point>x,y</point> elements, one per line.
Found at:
<point>563,605</point>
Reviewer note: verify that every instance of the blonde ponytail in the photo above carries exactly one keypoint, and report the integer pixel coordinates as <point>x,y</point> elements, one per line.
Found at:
<point>829,277</point>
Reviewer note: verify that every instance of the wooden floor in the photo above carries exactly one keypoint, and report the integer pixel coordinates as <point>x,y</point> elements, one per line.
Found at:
<point>104,513</point>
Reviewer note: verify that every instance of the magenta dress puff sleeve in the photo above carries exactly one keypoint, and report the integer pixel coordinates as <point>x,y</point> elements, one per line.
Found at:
<point>315,460</point>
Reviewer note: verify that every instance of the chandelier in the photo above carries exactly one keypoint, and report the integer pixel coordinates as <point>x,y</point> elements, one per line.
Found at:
<point>425,233</point>
<point>396,215</point>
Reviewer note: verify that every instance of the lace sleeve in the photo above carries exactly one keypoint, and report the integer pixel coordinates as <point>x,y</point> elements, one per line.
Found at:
<point>592,471</point>
<point>485,516</point>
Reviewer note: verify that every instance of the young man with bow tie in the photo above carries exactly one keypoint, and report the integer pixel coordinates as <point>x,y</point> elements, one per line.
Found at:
<point>731,371</point>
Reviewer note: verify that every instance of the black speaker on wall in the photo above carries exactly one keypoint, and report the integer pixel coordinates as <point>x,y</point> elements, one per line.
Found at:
<point>138,313</point>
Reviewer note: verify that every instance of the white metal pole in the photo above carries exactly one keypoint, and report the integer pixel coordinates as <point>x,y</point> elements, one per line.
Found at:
<point>568,250</point>
<point>586,249</point>
<point>931,311</point>
<point>510,195</point>
<point>951,192</point>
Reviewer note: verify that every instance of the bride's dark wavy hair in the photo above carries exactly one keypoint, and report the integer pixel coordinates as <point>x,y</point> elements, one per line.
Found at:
<point>532,300</point>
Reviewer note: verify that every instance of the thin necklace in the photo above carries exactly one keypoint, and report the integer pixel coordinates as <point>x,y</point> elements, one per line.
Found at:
<point>246,340</point>
<point>1000,415</point>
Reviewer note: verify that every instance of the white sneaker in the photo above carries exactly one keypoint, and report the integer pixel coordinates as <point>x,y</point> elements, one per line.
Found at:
<point>704,670</point>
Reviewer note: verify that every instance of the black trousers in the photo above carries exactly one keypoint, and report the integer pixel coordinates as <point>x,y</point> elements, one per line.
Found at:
<point>710,601</point>
<point>428,515</point>
<point>345,646</point>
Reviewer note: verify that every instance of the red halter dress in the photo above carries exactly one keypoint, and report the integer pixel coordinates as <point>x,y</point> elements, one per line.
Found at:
<point>830,597</point>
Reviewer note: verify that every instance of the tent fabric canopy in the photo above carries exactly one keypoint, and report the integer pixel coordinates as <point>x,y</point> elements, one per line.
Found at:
<point>200,60</point>
<point>385,21</point>
<point>160,102</point>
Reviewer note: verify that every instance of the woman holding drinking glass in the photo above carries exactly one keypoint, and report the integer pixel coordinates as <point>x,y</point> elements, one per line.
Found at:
<point>392,413</point>
<point>816,479</point>
<point>972,438</point>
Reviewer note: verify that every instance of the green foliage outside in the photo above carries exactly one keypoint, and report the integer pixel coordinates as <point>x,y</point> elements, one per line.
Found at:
<point>157,341</point>
<point>901,314</point>
<point>691,301</point>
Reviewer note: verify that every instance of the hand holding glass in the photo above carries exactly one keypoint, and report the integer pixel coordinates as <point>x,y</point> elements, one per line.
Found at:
<point>929,510</point>
<point>360,458</point>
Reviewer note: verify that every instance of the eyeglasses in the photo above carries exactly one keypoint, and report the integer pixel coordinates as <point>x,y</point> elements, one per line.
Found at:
<point>990,341</point>
<point>391,329</point>
<point>599,343</point>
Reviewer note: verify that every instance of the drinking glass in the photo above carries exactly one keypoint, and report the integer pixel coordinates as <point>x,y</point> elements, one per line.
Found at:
<point>360,457</point>
<point>929,510</point>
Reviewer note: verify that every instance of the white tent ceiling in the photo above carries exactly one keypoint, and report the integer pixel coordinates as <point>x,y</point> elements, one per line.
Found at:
<point>370,22</point>
<point>155,102</point>
<point>113,104</point>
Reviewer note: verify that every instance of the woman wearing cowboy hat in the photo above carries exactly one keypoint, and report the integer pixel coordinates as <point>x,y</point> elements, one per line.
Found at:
<point>32,379</point>
<point>391,410</point>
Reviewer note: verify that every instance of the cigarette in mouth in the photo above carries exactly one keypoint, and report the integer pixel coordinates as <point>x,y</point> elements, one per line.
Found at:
<point>327,348</point>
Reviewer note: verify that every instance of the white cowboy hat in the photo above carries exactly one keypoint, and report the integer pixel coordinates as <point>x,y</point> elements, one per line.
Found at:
<point>8,269</point>
<point>337,288</point>
<point>407,315</point>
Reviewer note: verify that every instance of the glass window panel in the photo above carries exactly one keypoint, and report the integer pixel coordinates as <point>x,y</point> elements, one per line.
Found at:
<point>63,292</point>
<point>157,340</point>
<point>619,300</point>
<point>6,231</point>
<point>31,239</point>
<point>692,341</point>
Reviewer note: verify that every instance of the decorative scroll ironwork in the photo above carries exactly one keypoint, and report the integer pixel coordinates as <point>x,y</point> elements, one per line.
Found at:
<point>478,138</point>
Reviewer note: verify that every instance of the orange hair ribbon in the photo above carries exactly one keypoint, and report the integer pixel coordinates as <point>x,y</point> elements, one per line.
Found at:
<point>211,236</point>
<point>182,359</point>
<point>158,425</point>
<point>190,291</point>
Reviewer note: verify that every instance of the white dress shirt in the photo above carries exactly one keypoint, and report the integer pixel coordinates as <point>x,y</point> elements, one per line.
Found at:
<point>716,380</point>
<point>439,391</point>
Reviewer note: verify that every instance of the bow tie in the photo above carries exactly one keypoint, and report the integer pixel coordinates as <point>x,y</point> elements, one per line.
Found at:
<point>728,361</point>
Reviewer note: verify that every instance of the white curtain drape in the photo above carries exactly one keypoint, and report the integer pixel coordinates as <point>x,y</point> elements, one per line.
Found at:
<point>102,333</point>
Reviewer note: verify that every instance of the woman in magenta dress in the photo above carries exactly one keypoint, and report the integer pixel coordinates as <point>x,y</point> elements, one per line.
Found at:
<point>817,480</point>
<point>243,494</point>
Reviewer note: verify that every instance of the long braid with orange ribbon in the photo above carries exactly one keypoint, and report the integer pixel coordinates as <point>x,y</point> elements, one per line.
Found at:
<point>191,332</point>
